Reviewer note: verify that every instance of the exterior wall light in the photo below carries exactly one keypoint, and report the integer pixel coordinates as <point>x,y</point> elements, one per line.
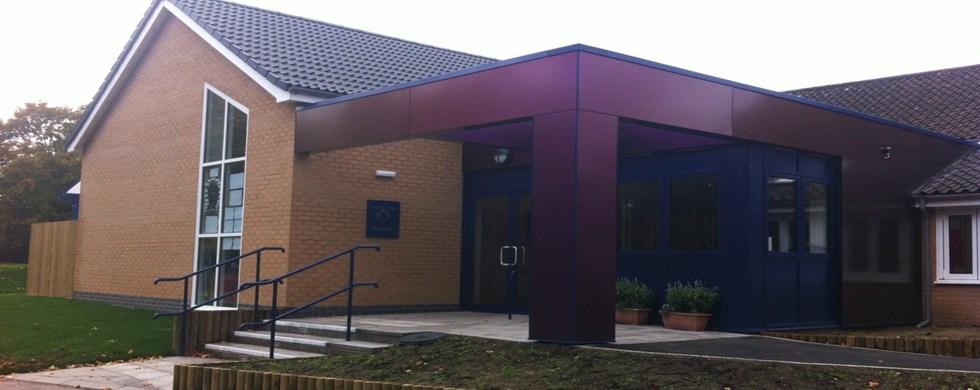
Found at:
<point>385,174</point>
<point>886,152</point>
<point>501,156</point>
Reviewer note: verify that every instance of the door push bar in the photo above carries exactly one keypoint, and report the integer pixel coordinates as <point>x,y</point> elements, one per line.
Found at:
<point>517,254</point>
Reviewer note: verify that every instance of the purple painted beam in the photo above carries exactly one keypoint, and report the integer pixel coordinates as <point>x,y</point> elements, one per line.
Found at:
<point>632,90</point>
<point>574,200</point>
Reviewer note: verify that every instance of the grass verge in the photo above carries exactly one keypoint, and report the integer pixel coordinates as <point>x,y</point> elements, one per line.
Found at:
<point>468,362</point>
<point>37,333</point>
<point>13,278</point>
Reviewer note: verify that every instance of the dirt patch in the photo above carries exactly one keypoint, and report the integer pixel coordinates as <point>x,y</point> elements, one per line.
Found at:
<point>468,362</point>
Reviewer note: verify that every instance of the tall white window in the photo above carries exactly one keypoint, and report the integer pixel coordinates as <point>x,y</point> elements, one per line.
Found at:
<point>222,195</point>
<point>956,239</point>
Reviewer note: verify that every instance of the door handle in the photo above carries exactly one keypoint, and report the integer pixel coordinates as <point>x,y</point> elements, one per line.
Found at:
<point>523,252</point>
<point>508,260</point>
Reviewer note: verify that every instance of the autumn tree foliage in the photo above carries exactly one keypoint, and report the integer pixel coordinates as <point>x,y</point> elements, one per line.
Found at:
<point>35,168</point>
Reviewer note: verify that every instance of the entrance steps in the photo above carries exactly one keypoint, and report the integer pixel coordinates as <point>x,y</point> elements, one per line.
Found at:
<point>296,339</point>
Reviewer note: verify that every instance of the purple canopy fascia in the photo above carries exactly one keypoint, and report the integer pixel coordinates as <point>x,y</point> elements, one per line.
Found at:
<point>578,109</point>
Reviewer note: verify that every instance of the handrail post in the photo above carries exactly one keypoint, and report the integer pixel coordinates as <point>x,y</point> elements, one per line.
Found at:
<point>258,269</point>
<point>350,292</point>
<point>272,326</point>
<point>184,323</point>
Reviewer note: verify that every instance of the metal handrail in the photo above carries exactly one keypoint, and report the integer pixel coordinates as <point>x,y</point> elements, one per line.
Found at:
<point>279,280</point>
<point>184,320</point>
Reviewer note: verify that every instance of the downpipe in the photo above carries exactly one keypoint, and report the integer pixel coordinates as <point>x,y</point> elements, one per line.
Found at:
<point>928,262</point>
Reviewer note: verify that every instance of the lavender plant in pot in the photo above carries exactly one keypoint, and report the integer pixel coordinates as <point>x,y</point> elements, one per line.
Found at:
<point>689,305</point>
<point>634,301</point>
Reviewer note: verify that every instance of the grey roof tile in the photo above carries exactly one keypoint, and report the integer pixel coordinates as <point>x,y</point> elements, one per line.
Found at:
<point>963,177</point>
<point>946,101</point>
<point>297,54</point>
<point>293,51</point>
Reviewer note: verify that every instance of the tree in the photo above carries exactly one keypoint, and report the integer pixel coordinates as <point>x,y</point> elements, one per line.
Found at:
<point>35,168</point>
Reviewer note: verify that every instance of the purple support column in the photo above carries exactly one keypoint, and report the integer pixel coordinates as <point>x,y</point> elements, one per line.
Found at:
<point>574,227</point>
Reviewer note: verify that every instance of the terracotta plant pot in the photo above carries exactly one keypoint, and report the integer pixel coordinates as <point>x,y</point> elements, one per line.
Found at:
<point>685,321</point>
<point>629,316</point>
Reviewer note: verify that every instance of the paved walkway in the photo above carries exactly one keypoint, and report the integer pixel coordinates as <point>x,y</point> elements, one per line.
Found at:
<point>497,326</point>
<point>158,373</point>
<point>141,375</point>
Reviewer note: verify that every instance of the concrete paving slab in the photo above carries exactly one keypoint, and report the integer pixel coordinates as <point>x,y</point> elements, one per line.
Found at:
<point>143,375</point>
<point>498,326</point>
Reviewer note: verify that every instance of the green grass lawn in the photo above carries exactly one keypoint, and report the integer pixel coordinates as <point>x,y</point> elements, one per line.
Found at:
<point>40,332</point>
<point>13,278</point>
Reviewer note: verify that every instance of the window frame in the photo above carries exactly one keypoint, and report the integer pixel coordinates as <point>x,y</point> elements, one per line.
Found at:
<point>664,210</point>
<point>800,247</point>
<point>222,164</point>
<point>670,211</point>
<point>943,276</point>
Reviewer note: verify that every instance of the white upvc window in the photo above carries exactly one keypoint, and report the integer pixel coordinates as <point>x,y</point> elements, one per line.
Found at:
<point>956,246</point>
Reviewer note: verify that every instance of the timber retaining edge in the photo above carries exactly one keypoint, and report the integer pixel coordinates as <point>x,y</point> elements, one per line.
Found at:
<point>969,348</point>
<point>217,378</point>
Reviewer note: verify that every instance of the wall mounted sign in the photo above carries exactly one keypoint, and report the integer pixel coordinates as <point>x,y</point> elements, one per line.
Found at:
<point>383,218</point>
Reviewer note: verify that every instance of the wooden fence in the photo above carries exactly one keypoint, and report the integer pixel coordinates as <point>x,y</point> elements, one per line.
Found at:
<point>51,261</point>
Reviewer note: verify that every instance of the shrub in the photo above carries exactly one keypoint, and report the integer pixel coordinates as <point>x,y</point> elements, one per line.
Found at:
<point>631,293</point>
<point>691,297</point>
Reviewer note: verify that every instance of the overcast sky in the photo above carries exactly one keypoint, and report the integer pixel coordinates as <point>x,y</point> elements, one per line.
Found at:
<point>59,51</point>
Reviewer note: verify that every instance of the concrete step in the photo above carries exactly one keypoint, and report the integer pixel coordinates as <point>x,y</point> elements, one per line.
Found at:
<point>307,342</point>
<point>336,331</point>
<point>230,350</point>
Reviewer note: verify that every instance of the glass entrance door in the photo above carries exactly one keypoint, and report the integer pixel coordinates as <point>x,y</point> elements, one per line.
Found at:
<point>499,278</point>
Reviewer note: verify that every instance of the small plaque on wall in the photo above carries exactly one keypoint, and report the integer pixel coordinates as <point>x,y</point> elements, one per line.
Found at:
<point>383,218</point>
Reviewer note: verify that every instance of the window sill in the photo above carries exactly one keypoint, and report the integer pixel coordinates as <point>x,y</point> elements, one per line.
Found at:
<point>958,281</point>
<point>215,308</point>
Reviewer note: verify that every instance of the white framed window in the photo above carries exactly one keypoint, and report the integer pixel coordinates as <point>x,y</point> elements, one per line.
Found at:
<point>956,246</point>
<point>221,196</point>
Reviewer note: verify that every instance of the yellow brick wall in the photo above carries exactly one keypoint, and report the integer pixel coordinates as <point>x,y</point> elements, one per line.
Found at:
<point>141,171</point>
<point>422,266</point>
<point>141,168</point>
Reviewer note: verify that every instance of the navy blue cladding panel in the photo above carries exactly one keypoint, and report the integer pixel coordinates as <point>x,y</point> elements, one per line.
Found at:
<point>498,181</point>
<point>814,166</point>
<point>725,267</point>
<point>815,301</point>
<point>781,160</point>
<point>759,291</point>
<point>782,299</point>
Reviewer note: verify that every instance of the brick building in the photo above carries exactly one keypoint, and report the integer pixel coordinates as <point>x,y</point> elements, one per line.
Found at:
<point>224,128</point>
<point>946,101</point>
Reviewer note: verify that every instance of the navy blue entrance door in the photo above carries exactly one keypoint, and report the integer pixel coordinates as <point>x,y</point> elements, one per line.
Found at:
<point>497,251</point>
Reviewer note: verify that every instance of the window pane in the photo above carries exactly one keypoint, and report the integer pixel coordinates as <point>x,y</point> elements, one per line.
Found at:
<point>638,204</point>
<point>234,194</point>
<point>214,124</point>
<point>237,133</point>
<point>782,214</point>
<point>694,213</point>
<point>210,198</point>
<point>207,253</point>
<point>960,244</point>
<point>816,218</point>
<point>228,282</point>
